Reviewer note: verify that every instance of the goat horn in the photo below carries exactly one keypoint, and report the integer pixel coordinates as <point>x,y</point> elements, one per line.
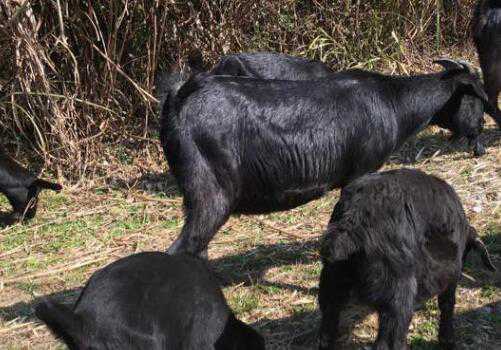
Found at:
<point>449,64</point>
<point>468,66</point>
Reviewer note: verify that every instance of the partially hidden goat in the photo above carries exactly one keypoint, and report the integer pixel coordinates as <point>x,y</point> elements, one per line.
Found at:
<point>487,38</point>
<point>21,188</point>
<point>150,301</point>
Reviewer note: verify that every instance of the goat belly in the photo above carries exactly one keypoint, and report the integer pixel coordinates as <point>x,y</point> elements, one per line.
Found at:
<point>254,202</point>
<point>283,174</point>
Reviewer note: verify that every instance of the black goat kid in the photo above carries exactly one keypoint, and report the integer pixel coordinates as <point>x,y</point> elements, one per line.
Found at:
<point>395,239</point>
<point>487,38</point>
<point>150,301</point>
<point>21,188</point>
<point>464,116</point>
<point>240,145</point>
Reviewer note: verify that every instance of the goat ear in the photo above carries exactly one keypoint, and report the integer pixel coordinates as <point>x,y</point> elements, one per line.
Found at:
<point>337,245</point>
<point>62,322</point>
<point>475,88</point>
<point>449,64</point>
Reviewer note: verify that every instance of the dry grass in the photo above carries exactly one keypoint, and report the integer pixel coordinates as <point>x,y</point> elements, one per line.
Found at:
<point>268,264</point>
<point>78,76</point>
<point>75,92</point>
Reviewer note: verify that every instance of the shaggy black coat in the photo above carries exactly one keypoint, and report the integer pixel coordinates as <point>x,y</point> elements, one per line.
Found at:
<point>241,145</point>
<point>21,188</point>
<point>150,301</point>
<point>463,116</point>
<point>395,239</point>
<point>487,38</point>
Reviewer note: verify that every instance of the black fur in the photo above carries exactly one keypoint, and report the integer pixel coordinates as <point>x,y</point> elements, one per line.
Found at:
<point>269,65</point>
<point>242,145</point>
<point>463,116</point>
<point>395,239</point>
<point>150,301</point>
<point>21,188</point>
<point>487,38</point>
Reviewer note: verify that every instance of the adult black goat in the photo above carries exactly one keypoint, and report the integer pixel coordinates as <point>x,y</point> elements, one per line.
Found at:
<point>240,145</point>
<point>487,38</point>
<point>463,116</point>
<point>395,239</point>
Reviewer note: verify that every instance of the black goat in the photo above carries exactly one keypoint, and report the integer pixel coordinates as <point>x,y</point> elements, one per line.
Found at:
<point>21,188</point>
<point>487,38</point>
<point>269,65</point>
<point>241,145</point>
<point>395,239</point>
<point>464,116</point>
<point>151,301</point>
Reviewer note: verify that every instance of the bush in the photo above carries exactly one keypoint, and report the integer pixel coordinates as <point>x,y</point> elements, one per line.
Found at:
<point>79,75</point>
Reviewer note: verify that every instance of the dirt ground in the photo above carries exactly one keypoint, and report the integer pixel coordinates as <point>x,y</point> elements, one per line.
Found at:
<point>269,265</point>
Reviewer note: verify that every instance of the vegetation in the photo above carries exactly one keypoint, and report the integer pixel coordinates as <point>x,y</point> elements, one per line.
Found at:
<point>78,76</point>
<point>77,95</point>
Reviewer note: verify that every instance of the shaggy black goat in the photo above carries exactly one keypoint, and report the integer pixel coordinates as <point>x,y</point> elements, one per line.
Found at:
<point>487,38</point>
<point>150,301</point>
<point>21,188</point>
<point>464,116</point>
<point>241,145</point>
<point>395,239</point>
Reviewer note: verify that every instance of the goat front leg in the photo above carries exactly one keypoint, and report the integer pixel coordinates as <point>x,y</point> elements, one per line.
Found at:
<point>477,146</point>
<point>446,303</point>
<point>395,317</point>
<point>207,207</point>
<point>336,283</point>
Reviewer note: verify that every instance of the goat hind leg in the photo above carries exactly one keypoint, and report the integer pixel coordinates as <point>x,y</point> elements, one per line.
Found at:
<point>395,317</point>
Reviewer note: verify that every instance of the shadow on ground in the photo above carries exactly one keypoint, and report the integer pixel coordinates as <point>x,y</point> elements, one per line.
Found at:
<point>153,183</point>
<point>24,310</point>
<point>247,268</point>
<point>477,329</point>
<point>299,331</point>
<point>250,267</point>
<point>426,146</point>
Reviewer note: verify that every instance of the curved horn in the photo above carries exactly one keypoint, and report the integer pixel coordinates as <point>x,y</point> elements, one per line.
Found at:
<point>448,64</point>
<point>478,72</point>
<point>467,65</point>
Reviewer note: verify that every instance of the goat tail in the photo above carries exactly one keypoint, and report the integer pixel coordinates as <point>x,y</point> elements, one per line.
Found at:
<point>475,243</point>
<point>46,185</point>
<point>61,321</point>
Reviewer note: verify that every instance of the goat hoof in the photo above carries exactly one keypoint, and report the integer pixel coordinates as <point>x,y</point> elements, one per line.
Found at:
<point>447,345</point>
<point>325,343</point>
<point>479,151</point>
